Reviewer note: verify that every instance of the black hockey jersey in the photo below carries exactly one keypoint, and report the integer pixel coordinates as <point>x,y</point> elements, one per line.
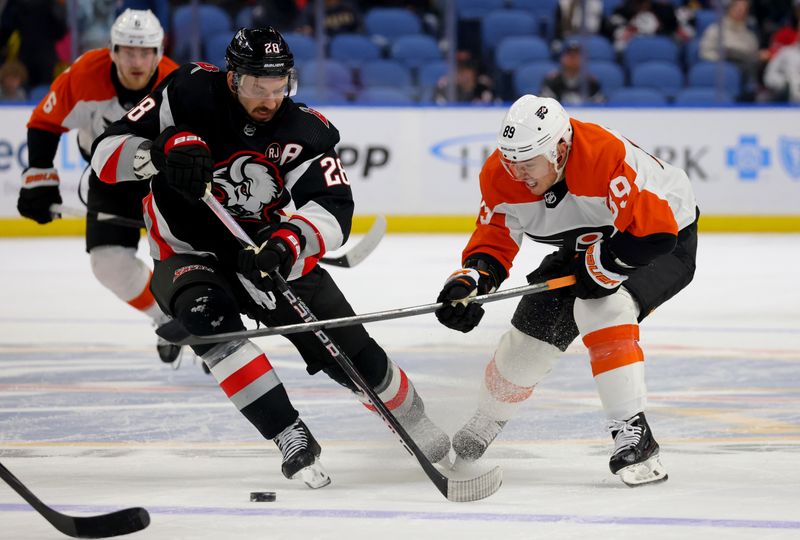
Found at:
<point>283,169</point>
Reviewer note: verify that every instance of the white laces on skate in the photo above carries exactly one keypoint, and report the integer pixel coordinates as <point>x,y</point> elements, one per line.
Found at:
<point>627,436</point>
<point>291,440</point>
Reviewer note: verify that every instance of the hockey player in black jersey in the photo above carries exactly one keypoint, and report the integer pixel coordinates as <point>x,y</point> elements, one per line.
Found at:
<point>272,164</point>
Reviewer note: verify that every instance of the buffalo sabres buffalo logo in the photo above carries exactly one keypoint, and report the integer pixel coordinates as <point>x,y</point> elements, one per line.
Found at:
<point>248,185</point>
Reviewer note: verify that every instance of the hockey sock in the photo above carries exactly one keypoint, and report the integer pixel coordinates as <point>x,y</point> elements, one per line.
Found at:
<point>248,379</point>
<point>119,270</point>
<point>618,369</point>
<point>519,363</point>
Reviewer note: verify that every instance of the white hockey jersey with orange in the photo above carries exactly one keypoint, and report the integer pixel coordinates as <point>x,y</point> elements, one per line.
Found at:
<point>610,185</point>
<point>84,98</point>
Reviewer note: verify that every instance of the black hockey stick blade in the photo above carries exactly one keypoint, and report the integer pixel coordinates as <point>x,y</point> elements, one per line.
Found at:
<point>175,333</point>
<point>126,521</point>
<point>356,254</point>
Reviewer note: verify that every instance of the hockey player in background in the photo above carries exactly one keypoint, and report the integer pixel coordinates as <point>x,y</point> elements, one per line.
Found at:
<point>272,164</point>
<point>625,223</point>
<point>96,90</point>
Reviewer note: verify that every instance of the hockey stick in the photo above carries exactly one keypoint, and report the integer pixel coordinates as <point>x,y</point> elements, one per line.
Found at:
<point>472,489</point>
<point>176,333</point>
<point>116,523</point>
<point>353,256</point>
<point>356,254</point>
<point>112,219</point>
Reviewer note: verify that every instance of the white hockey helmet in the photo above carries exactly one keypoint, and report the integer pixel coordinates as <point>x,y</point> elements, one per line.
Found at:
<point>138,28</point>
<point>534,126</point>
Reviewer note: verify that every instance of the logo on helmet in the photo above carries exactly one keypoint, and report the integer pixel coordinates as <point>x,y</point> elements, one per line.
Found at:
<point>541,112</point>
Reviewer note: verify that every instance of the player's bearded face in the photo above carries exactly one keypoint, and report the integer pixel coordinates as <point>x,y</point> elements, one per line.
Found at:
<point>261,96</point>
<point>538,174</point>
<point>135,65</point>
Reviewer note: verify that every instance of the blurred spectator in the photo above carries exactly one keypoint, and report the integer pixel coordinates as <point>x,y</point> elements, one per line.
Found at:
<point>570,17</point>
<point>782,75</point>
<point>770,16</point>
<point>95,18</point>
<point>787,34</point>
<point>13,76</point>
<point>570,84</point>
<point>472,86</point>
<point>739,43</point>
<point>340,17</point>
<point>40,24</point>
<point>641,17</point>
<point>280,14</point>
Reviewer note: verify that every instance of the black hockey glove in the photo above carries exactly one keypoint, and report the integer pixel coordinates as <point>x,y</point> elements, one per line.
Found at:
<point>278,250</point>
<point>598,273</point>
<point>185,161</point>
<point>39,190</point>
<point>458,312</point>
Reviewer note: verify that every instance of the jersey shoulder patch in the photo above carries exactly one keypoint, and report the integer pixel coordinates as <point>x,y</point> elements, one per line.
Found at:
<point>316,113</point>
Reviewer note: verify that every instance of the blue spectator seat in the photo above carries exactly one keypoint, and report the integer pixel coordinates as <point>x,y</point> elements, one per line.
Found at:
<point>665,77</point>
<point>244,18</point>
<point>636,96</point>
<point>353,49</point>
<point>387,24</point>
<point>643,48</point>
<point>385,73</point>
<point>514,51</point>
<point>383,96</point>
<point>527,79</point>
<point>609,6</point>
<point>37,93</point>
<point>210,20</point>
<point>415,50</point>
<point>302,46</point>
<point>697,97</point>
<point>595,47</point>
<point>703,18</point>
<point>329,74</point>
<point>429,74</point>
<point>476,9</point>
<point>311,95</point>
<point>503,23</point>
<point>691,53</point>
<point>608,74</point>
<point>545,12</point>
<point>706,74</point>
<point>215,46</point>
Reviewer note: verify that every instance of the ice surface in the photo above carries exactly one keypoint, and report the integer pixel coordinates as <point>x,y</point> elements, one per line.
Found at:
<point>91,421</point>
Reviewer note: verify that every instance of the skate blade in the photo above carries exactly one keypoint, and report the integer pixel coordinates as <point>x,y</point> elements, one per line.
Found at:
<point>650,471</point>
<point>315,476</point>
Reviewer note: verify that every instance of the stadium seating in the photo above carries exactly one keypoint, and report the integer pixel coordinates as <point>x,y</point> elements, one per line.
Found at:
<point>476,9</point>
<point>353,49</point>
<point>330,74</point>
<point>527,79</point>
<point>643,48</point>
<point>37,93</point>
<point>514,51</point>
<point>215,46</point>
<point>595,47</point>
<point>385,73</point>
<point>706,74</point>
<point>415,50</point>
<point>302,46</point>
<point>383,96</point>
<point>703,18</point>
<point>503,23</point>
<point>387,24</point>
<point>313,95</point>
<point>695,97</point>
<point>210,20</point>
<point>636,97</point>
<point>665,77</point>
<point>609,74</point>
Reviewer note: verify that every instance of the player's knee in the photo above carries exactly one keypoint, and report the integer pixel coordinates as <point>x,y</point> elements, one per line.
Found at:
<point>118,269</point>
<point>205,309</point>
<point>615,310</point>
<point>370,361</point>
<point>523,360</point>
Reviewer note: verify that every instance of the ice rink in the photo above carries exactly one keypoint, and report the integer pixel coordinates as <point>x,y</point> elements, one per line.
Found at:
<point>91,421</point>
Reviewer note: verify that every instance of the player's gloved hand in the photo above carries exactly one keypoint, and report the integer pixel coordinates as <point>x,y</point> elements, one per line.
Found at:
<point>278,249</point>
<point>598,273</point>
<point>39,190</point>
<point>185,161</point>
<point>458,312</point>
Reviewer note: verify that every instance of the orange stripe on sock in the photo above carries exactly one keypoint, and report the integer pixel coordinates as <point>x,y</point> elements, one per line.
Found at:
<point>245,375</point>
<point>502,389</point>
<point>614,347</point>
<point>145,299</point>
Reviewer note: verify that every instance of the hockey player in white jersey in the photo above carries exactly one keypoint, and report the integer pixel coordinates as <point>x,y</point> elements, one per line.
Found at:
<point>625,223</point>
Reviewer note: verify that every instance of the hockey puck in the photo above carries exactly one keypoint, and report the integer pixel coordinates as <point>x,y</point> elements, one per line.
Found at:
<point>262,496</point>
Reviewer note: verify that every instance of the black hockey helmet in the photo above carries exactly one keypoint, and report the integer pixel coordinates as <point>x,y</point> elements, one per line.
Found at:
<point>261,52</point>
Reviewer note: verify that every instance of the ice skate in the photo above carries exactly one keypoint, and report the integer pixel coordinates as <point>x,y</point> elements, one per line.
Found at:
<point>636,453</point>
<point>167,352</point>
<point>301,455</point>
<point>471,441</point>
